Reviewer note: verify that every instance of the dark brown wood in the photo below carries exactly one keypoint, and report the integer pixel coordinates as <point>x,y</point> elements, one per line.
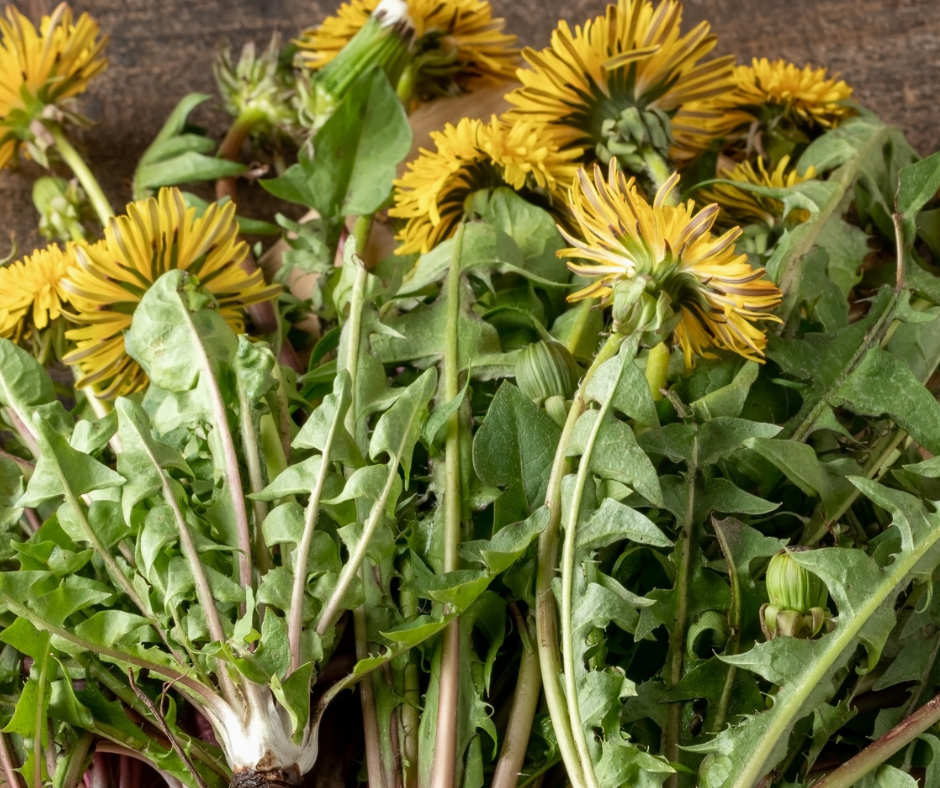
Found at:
<point>889,50</point>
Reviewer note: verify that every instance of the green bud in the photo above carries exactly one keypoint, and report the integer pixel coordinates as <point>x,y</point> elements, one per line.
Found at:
<point>791,586</point>
<point>797,598</point>
<point>386,40</point>
<point>546,369</point>
<point>62,206</point>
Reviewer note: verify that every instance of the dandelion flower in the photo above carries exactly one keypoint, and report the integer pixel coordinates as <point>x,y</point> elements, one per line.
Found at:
<point>743,206</point>
<point>714,291</point>
<point>107,281</point>
<point>766,90</point>
<point>458,46</point>
<point>31,292</point>
<point>43,69</point>
<point>471,156</point>
<point>618,86</point>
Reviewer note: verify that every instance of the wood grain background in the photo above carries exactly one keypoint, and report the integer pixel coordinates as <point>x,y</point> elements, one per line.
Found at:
<point>888,50</point>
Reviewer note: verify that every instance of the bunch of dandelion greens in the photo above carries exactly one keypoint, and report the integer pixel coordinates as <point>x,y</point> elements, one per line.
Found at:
<point>592,444</point>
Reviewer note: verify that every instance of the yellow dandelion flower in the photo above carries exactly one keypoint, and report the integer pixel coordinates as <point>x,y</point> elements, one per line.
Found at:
<point>459,46</point>
<point>774,92</point>
<point>470,156</point>
<point>743,206</point>
<point>717,294</point>
<point>618,85</point>
<point>107,281</point>
<point>41,69</point>
<point>31,291</point>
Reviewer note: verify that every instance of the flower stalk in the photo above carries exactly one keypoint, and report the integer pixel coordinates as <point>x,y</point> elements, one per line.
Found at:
<point>546,611</point>
<point>86,177</point>
<point>445,743</point>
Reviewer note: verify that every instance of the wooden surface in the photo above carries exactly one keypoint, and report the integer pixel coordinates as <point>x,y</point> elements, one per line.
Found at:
<point>888,50</point>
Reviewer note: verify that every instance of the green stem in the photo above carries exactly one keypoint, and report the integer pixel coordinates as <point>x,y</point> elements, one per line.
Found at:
<point>10,774</point>
<point>411,694</point>
<point>231,146</point>
<point>657,368</point>
<point>568,570</point>
<point>252,450</point>
<point>883,748</point>
<point>370,721</point>
<point>524,703</point>
<point>40,718</point>
<point>357,564</point>
<point>674,659</point>
<point>546,614</point>
<point>734,640</point>
<point>229,461</point>
<point>362,229</point>
<point>444,767</point>
<point>85,176</point>
<point>354,321</point>
<point>77,762</point>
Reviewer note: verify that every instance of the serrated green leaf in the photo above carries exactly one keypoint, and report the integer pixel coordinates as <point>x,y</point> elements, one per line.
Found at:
<point>616,455</point>
<point>399,428</point>
<point>457,589</point>
<point>357,152</point>
<point>294,696</point>
<point>623,382</point>
<point>167,336</point>
<point>801,466</point>
<point>61,466</point>
<point>882,385</point>
<point>514,448</point>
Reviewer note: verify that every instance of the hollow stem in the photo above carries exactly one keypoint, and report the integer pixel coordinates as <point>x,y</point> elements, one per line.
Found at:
<point>10,774</point>
<point>370,721</point>
<point>230,149</point>
<point>78,758</point>
<point>411,694</point>
<point>443,773</point>
<point>546,614</point>
<point>521,715</point>
<point>883,748</point>
<point>85,176</point>
<point>674,659</point>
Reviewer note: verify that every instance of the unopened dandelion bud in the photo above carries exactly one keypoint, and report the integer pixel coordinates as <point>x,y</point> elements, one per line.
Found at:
<point>386,41</point>
<point>791,586</point>
<point>545,370</point>
<point>797,599</point>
